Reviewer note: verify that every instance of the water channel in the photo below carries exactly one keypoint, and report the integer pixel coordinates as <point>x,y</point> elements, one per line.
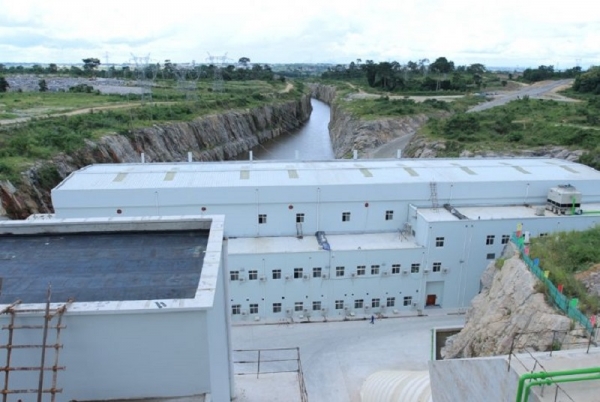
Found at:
<point>310,142</point>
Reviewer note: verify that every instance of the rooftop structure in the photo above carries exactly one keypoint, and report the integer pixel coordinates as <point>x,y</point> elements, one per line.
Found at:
<point>129,298</point>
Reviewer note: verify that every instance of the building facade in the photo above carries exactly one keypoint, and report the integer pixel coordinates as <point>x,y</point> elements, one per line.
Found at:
<point>347,238</point>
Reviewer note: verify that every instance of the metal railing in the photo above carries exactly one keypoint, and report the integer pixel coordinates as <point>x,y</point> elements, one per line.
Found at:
<point>561,301</point>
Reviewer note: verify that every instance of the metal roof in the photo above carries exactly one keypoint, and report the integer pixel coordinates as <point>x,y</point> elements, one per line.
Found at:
<point>311,173</point>
<point>117,266</point>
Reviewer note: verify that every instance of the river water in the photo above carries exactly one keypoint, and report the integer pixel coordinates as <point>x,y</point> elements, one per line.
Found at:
<point>310,142</point>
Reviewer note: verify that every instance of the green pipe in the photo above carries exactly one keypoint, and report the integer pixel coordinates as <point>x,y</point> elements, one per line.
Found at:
<point>549,374</point>
<point>590,212</point>
<point>549,381</point>
<point>573,199</point>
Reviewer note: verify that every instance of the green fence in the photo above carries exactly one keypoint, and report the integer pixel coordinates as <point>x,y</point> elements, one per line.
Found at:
<point>561,301</point>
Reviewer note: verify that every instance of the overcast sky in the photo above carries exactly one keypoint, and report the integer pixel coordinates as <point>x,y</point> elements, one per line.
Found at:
<point>496,33</point>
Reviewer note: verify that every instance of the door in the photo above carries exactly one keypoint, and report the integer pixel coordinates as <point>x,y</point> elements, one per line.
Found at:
<point>430,300</point>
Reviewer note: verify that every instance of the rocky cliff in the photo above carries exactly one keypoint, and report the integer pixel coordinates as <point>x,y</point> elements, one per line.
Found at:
<point>349,133</point>
<point>510,303</point>
<point>209,138</point>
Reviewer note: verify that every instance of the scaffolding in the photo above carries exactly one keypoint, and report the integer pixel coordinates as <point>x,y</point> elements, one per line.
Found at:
<point>12,348</point>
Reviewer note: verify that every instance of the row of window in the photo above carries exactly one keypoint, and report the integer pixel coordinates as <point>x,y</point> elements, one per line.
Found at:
<point>340,271</point>
<point>262,218</point>
<point>317,306</point>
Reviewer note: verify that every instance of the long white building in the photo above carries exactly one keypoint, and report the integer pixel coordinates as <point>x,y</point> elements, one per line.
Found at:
<point>348,238</point>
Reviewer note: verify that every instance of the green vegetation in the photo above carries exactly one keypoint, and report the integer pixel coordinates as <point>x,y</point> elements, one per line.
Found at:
<point>525,123</point>
<point>548,73</point>
<point>566,254</point>
<point>588,82</point>
<point>41,138</point>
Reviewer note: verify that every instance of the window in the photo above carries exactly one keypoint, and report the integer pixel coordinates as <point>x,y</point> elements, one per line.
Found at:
<point>374,269</point>
<point>317,272</point>
<point>234,275</point>
<point>437,266</point>
<point>375,303</point>
<point>345,216</point>
<point>389,215</point>
<point>358,303</point>
<point>360,270</point>
<point>414,268</point>
<point>395,268</point>
<point>277,307</point>
<point>439,242</point>
<point>262,218</point>
<point>407,300</point>
<point>276,274</point>
<point>489,240</point>
<point>253,275</point>
<point>339,271</point>
<point>339,304</point>
<point>391,302</point>
<point>491,256</point>
<point>299,218</point>
<point>297,273</point>
<point>254,308</point>
<point>236,309</point>
<point>298,306</point>
<point>316,305</point>
<point>505,239</point>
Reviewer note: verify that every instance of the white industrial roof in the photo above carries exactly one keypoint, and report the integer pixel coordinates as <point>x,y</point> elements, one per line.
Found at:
<point>495,212</point>
<point>366,241</point>
<point>300,173</point>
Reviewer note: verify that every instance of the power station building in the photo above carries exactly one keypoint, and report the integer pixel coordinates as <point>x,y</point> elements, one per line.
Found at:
<point>348,238</point>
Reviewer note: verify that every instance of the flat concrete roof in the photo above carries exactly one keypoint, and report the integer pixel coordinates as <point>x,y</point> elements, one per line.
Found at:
<point>337,242</point>
<point>101,266</point>
<point>496,212</point>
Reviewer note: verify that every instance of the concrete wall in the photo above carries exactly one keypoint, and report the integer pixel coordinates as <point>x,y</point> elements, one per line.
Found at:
<point>144,354</point>
<point>484,379</point>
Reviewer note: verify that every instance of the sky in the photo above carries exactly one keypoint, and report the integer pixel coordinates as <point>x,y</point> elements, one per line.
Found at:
<point>512,33</point>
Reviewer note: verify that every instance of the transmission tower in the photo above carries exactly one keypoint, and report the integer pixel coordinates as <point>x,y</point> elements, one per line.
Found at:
<point>217,62</point>
<point>187,81</point>
<point>145,74</point>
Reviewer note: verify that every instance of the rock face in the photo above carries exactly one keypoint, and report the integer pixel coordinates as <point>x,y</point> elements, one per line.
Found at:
<point>507,305</point>
<point>210,138</point>
<point>349,133</point>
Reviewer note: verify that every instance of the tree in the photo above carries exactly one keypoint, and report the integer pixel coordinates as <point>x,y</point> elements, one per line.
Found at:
<point>3,84</point>
<point>90,64</point>
<point>244,61</point>
<point>52,68</point>
<point>43,85</point>
<point>442,65</point>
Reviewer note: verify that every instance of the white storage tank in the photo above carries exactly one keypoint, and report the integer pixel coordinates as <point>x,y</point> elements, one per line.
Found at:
<point>397,386</point>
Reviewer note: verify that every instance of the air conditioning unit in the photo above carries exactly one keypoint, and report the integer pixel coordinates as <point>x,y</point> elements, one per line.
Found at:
<point>263,278</point>
<point>256,318</point>
<point>241,279</point>
<point>324,310</point>
<point>425,271</point>
<point>306,277</point>
<point>396,311</point>
<point>244,312</point>
<point>305,311</point>
<point>325,276</point>
<point>414,304</point>
<point>287,278</point>
<point>346,308</point>
<point>301,316</point>
<point>352,314</point>
<point>405,272</point>
<point>445,270</point>
<point>367,307</point>
<point>385,273</point>
<point>288,311</point>
<point>353,274</point>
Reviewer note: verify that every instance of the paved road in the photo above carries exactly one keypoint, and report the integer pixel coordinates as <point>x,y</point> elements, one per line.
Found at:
<point>532,91</point>
<point>337,357</point>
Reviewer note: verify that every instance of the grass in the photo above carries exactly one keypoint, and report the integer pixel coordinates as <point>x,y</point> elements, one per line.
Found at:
<point>523,123</point>
<point>42,138</point>
<point>566,253</point>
